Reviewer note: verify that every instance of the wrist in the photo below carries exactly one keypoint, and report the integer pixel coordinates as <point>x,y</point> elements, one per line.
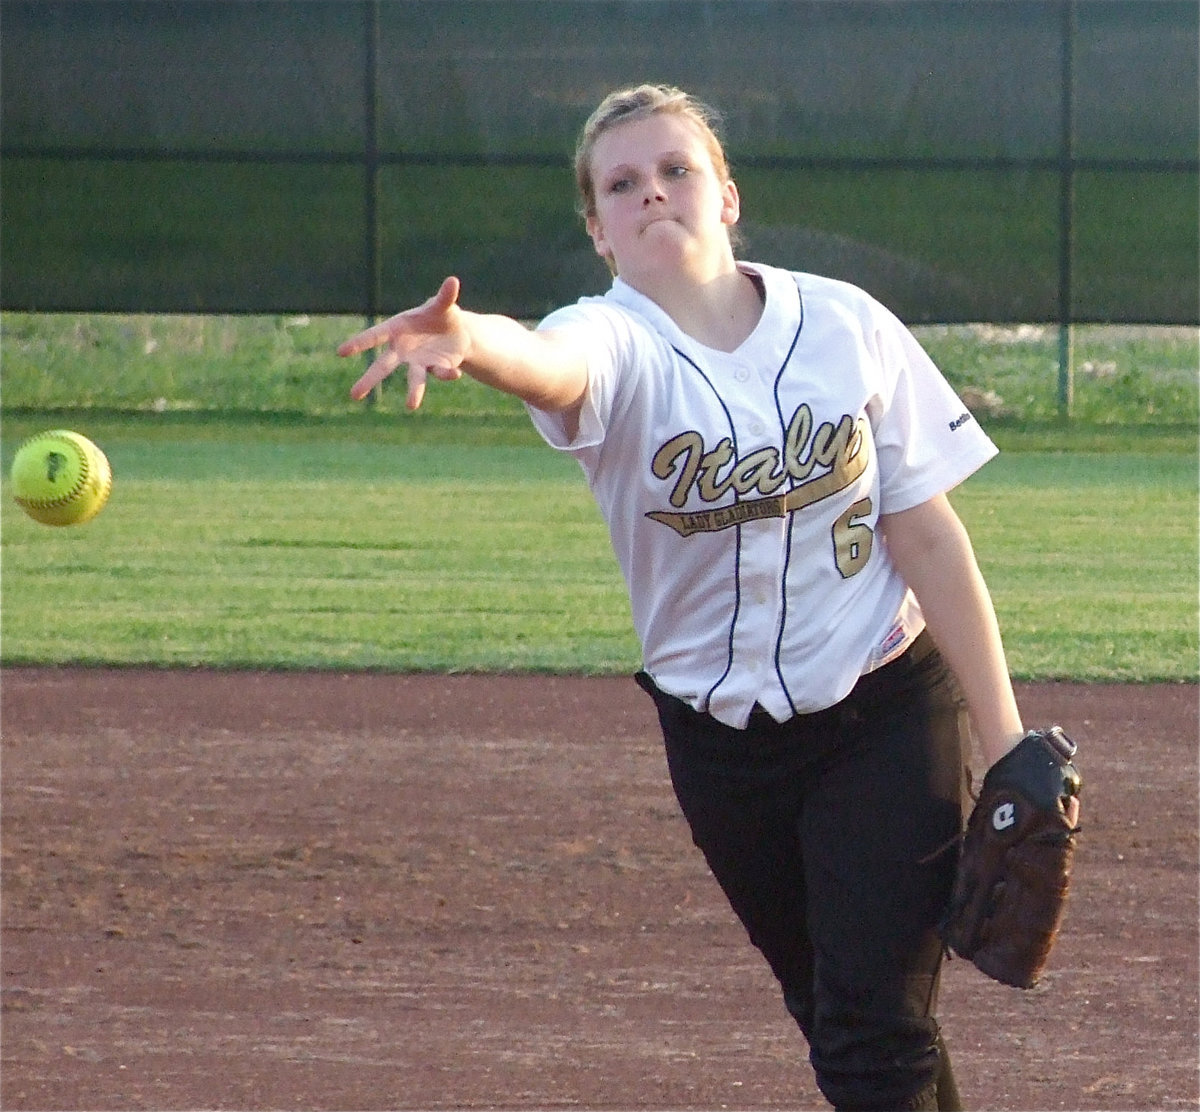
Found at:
<point>1000,743</point>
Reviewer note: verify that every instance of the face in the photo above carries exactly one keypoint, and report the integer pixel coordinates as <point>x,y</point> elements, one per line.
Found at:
<point>660,205</point>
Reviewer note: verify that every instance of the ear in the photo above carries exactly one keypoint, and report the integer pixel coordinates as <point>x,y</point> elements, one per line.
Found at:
<point>731,203</point>
<point>599,242</point>
<point>596,231</point>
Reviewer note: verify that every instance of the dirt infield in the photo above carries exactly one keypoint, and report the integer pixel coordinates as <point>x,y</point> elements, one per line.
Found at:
<point>290,891</point>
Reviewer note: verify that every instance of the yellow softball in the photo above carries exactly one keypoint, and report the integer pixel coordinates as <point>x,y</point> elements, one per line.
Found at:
<point>61,478</point>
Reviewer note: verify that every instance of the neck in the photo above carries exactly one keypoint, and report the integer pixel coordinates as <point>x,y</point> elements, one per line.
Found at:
<point>719,313</point>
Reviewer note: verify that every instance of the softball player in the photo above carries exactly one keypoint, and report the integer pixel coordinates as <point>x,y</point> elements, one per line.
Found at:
<point>771,451</point>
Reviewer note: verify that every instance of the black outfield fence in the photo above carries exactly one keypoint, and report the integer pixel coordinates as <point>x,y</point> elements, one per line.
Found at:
<point>998,160</point>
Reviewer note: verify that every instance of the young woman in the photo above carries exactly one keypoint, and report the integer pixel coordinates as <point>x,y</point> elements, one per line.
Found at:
<point>771,451</point>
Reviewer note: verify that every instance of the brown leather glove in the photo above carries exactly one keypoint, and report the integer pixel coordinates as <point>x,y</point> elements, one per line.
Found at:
<point>1015,861</point>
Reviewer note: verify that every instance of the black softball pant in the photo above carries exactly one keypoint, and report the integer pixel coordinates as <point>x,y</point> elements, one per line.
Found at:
<point>824,833</point>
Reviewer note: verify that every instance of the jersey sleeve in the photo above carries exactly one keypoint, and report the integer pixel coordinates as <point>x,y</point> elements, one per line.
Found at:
<point>926,439</point>
<point>601,330</point>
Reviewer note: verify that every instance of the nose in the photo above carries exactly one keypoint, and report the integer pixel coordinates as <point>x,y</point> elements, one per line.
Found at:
<point>654,192</point>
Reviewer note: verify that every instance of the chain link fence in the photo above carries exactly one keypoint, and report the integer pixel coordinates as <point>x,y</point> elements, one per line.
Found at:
<point>964,160</point>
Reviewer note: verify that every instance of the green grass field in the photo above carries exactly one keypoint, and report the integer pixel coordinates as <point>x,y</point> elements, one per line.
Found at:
<point>259,519</point>
<point>1125,376</point>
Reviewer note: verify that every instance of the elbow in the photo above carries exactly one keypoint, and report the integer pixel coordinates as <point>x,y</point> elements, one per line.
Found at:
<point>926,542</point>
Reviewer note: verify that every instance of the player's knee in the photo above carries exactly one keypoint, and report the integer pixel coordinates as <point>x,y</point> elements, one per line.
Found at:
<point>865,1062</point>
<point>800,1008</point>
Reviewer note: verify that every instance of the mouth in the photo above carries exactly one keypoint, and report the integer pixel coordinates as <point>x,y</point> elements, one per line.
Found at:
<point>661,218</point>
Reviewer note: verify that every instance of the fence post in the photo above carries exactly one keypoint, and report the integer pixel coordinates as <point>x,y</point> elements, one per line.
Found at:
<point>1066,257</point>
<point>372,236</point>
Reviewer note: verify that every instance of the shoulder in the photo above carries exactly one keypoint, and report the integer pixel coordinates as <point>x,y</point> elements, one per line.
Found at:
<point>833,294</point>
<point>613,308</point>
<point>606,319</point>
<point>611,325</point>
<point>824,297</point>
<point>817,286</point>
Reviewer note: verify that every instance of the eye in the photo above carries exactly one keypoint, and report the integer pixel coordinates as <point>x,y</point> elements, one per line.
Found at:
<point>677,170</point>
<point>620,185</point>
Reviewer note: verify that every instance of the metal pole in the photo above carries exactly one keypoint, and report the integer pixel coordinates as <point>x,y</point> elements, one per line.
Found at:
<point>1066,258</point>
<point>372,238</point>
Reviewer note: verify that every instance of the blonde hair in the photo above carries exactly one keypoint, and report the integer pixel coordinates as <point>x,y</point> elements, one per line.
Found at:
<point>636,103</point>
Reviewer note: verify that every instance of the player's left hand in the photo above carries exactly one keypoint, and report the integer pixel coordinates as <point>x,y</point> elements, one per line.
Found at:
<point>1015,860</point>
<point>1070,804</point>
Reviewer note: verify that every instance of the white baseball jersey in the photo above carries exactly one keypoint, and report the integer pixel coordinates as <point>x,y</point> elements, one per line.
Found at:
<point>742,490</point>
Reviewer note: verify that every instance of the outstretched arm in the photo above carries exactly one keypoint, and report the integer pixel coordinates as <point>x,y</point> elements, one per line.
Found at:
<point>439,338</point>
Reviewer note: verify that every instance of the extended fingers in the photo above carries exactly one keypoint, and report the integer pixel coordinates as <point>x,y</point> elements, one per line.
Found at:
<point>389,329</point>
<point>417,377</point>
<point>404,334</point>
<point>375,374</point>
<point>447,294</point>
<point>369,337</point>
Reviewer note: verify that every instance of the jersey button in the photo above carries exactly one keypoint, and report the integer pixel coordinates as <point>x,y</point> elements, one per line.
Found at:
<point>742,374</point>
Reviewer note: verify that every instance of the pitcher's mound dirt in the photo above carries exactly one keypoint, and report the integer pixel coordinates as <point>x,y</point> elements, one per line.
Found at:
<point>323,891</point>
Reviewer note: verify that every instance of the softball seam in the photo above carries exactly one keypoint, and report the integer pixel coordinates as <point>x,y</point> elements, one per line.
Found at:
<point>85,471</point>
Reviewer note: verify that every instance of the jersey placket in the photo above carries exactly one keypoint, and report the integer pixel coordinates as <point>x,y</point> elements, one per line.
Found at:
<point>761,545</point>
